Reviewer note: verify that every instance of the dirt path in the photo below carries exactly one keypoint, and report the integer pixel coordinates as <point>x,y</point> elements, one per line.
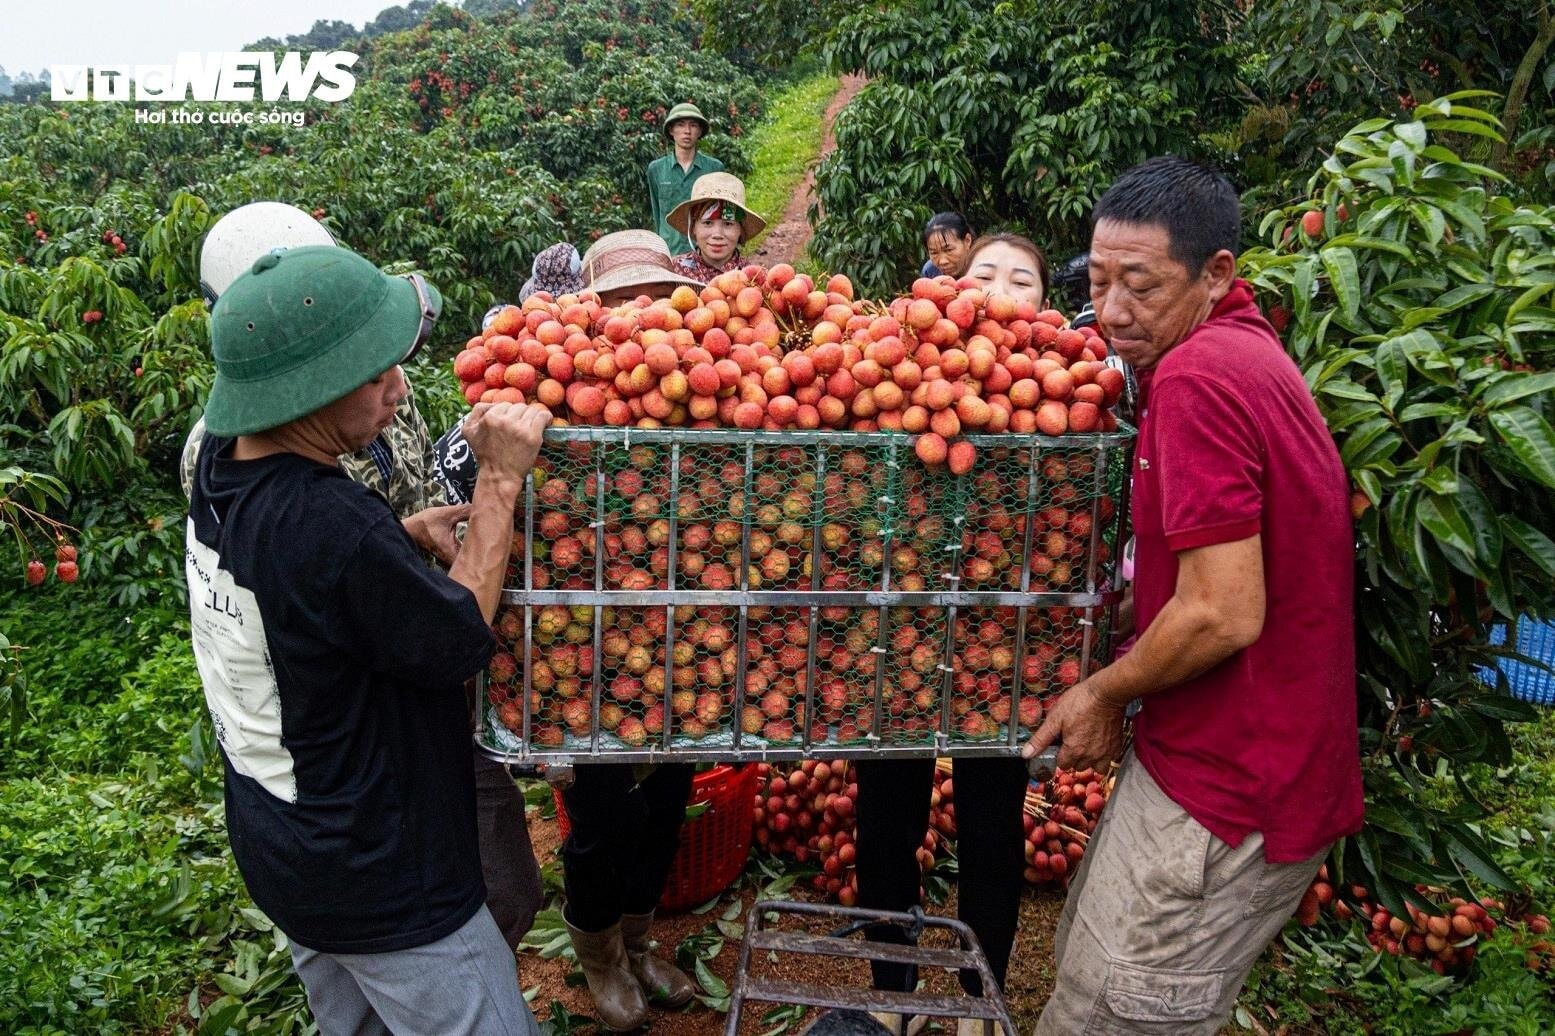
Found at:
<point>786,241</point>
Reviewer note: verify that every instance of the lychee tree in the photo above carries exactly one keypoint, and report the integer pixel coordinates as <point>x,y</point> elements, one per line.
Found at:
<point>1421,307</point>
<point>26,500</point>
<point>1315,68</point>
<point>551,115</point>
<point>1018,115</point>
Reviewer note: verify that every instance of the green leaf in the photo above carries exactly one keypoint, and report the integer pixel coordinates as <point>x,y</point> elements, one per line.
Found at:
<point>1535,545</point>
<point>711,984</point>
<point>1420,411</point>
<point>1411,133</point>
<point>256,919</point>
<point>1406,869</point>
<point>1508,386</point>
<point>1483,523</point>
<point>1362,436</point>
<point>220,1015</point>
<point>1442,518</point>
<point>780,886</point>
<point>1474,856</point>
<point>1526,299</point>
<point>1344,278</point>
<point>233,985</point>
<point>1345,389</point>
<point>1506,709</point>
<point>1530,439</point>
<point>1392,369</point>
<point>1464,126</point>
<point>1463,295</point>
<point>1376,243</point>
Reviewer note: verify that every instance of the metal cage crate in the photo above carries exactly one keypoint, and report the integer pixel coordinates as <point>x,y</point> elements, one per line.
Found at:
<point>723,594</point>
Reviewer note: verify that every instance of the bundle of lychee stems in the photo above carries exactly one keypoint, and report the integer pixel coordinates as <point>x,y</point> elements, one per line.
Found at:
<point>1036,805</point>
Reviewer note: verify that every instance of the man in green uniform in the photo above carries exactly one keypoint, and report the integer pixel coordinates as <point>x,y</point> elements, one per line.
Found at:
<point>671,176</point>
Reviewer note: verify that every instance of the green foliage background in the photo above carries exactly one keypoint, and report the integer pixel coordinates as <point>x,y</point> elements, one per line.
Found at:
<point>468,146</point>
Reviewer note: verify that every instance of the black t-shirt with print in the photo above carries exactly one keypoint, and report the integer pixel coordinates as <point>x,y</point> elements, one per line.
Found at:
<point>333,660</point>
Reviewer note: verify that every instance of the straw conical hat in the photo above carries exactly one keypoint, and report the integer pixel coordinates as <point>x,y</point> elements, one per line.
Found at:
<point>711,187</point>
<point>630,259</point>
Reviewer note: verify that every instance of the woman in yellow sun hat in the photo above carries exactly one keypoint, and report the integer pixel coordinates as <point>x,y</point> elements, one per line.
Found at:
<point>717,223</point>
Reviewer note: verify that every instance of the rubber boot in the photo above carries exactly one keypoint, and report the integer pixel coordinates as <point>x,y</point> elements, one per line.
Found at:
<point>665,984</point>
<point>618,999</point>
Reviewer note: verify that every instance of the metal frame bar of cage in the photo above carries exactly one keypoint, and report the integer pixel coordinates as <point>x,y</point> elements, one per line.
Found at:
<point>817,513</point>
<point>742,641</point>
<point>954,549</point>
<point>529,564</point>
<point>882,649</point>
<point>1028,536</point>
<point>805,598</point>
<point>748,752</point>
<point>1098,490</point>
<point>828,437</point>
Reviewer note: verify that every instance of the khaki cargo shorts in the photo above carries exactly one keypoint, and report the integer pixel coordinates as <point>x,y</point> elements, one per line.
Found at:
<point>1164,920</point>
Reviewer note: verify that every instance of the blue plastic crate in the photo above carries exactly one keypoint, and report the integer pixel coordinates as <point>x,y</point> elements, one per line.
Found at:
<point>1536,640</point>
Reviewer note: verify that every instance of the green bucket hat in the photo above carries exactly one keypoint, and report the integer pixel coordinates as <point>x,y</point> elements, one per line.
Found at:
<point>685,110</point>
<point>305,327</point>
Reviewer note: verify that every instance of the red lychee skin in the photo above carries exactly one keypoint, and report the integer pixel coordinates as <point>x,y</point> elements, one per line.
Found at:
<point>961,457</point>
<point>36,572</point>
<point>931,448</point>
<point>66,572</point>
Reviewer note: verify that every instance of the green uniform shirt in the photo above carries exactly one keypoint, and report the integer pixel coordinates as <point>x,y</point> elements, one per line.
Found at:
<point>668,186</point>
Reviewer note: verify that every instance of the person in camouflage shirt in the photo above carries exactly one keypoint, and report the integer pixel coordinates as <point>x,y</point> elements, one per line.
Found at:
<point>397,464</point>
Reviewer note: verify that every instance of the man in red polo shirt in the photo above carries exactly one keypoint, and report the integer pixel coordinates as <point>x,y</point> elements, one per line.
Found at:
<point>1245,765</point>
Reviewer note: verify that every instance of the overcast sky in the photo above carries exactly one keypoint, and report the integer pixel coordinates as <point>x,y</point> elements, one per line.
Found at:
<point>37,33</point>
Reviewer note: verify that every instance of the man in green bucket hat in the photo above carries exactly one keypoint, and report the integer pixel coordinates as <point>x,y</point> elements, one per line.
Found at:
<point>333,658</point>
<point>670,176</point>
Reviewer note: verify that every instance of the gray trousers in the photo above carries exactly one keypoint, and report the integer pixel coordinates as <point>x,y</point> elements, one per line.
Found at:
<point>464,983</point>
<point>1164,920</point>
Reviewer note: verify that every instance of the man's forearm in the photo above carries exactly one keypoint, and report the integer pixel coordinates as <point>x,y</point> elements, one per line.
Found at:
<point>488,541</point>
<point>1183,641</point>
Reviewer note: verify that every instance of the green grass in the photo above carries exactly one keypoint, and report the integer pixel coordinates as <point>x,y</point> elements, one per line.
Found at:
<point>785,143</point>
<point>121,909</point>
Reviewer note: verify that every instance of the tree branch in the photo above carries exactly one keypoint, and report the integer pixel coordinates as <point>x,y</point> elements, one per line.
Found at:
<point>1517,93</point>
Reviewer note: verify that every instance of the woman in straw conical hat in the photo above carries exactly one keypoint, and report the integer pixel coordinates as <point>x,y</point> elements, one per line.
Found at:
<point>717,222</point>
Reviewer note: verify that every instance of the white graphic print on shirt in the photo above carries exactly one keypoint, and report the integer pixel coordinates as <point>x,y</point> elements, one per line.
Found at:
<point>234,662</point>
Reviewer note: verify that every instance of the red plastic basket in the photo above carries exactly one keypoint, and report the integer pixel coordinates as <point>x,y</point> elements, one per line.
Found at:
<point>714,845</point>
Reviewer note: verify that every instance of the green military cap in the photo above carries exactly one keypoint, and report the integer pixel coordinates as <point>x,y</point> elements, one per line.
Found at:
<point>305,327</point>
<point>686,110</point>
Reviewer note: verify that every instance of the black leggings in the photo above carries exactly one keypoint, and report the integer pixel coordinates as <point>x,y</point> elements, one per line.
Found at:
<point>624,836</point>
<point>893,815</point>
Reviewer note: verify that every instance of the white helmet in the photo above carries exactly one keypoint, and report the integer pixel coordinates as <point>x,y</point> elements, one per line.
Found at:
<point>245,234</point>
